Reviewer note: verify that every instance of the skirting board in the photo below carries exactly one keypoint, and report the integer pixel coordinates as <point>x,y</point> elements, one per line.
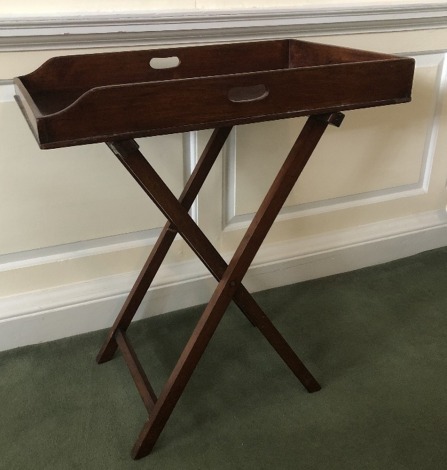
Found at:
<point>42,316</point>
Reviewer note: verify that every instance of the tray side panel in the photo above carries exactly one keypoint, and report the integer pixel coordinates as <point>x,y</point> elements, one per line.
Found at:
<point>80,73</point>
<point>304,53</point>
<point>150,109</point>
<point>29,109</point>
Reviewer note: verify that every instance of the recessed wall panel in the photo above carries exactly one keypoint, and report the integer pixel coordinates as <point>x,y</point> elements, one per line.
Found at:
<point>376,150</point>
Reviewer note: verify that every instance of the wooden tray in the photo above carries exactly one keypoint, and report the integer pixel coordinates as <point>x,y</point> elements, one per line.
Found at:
<point>74,100</point>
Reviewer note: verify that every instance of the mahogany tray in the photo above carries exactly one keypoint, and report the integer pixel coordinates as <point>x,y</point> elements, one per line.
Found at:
<point>82,99</point>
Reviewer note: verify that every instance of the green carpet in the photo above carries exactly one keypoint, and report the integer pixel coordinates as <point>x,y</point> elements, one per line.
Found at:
<point>376,339</point>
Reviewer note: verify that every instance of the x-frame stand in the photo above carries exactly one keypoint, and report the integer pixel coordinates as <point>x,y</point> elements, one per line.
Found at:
<point>229,276</point>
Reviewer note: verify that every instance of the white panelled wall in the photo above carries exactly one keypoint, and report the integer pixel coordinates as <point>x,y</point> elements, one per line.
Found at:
<point>76,229</point>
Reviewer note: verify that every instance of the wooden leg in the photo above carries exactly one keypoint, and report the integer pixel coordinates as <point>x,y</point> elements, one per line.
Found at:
<point>160,194</point>
<point>232,277</point>
<point>163,244</point>
<point>276,340</point>
<point>184,368</point>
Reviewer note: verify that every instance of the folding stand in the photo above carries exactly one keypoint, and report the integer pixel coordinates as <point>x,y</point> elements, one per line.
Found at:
<point>229,277</point>
<point>116,97</point>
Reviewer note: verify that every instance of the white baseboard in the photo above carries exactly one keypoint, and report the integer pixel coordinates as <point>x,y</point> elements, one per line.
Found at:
<point>47,315</point>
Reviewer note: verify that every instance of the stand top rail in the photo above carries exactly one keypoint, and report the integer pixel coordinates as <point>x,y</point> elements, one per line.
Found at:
<point>74,100</point>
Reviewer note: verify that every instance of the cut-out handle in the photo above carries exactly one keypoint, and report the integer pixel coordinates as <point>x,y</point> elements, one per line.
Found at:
<point>159,63</point>
<point>247,94</point>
